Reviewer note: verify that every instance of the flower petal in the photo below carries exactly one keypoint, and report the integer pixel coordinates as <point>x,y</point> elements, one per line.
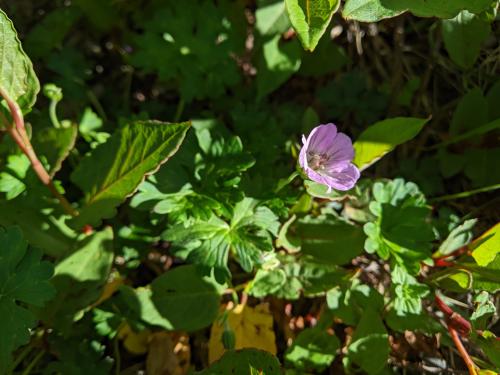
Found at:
<point>341,149</point>
<point>343,178</point>
<point>322,138</point>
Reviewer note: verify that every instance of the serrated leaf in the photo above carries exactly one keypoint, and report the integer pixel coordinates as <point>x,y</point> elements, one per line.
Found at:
<point>244,362</point>
<point>17,76</point>
<point>376,10</point>
<point>23,278</point>
<point>115,169</point>
<point>310,18</point>
<point>463,37</point>
<point>383,136</point>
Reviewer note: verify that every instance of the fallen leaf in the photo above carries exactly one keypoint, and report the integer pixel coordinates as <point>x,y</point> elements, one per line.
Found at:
<point>134,342</point>
<point>168,354</point>
<point>252,326</point>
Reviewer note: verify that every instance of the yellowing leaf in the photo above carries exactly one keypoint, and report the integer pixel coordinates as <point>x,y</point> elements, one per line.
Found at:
<point>487,246</point>
<point>252,326</point>
<point>109,289</point>
<point>134,342</point>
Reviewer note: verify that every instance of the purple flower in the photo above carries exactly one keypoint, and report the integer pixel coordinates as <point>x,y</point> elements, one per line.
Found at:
<point>326,157</point>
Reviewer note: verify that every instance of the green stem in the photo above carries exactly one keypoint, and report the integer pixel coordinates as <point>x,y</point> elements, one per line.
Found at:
<point>284,182</point>
<point>180,109</point>
<point>53,114</point>
<point>34,362</point>
<point>27,350</point>
<point>465,194</point>
<point>118,360</point>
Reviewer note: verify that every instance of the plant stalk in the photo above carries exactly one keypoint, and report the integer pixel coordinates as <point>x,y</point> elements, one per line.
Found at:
<point>20,136</point>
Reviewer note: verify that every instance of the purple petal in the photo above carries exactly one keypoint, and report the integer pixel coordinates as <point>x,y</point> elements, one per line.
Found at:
<point>322,138</point>
<point>342,178</point>
<point>341,149</point>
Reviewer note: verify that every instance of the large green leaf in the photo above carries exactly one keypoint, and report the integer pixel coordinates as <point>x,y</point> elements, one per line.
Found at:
<point>271,18</point>
<point>369,347</point>
<point>43,231</point>
<point>185,299</point>
<point>79,278</point>
<point>115,169</point>
<point>278,62</point>
<point>328,239</point>
<point>463,37</point>
<point>208,242</point>
<point>244,362</point>
<point>376,10</point>
<point>17,76</point>
<point>23,278</point>
<point>383,136</point>
<point>310,18</point>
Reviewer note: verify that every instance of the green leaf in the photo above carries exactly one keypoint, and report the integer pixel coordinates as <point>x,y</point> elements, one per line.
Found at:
<point>486,248</point>
<point>349,304</point>
<point>376,10</point>
<point>248,236</point>
<point>55,145</point>
<point>310,18</point>
<point>278,62</point>
<point>458,237</point>
<point>470,114</point>
<point>267,282</point>
<point>313,349</point>
<point>491,347</point>
<point>79,278</point>
<point>271,18</point>
<point>244,362</point>
<point>114,170</point>
<point>383,136</point>
<point>463,37</point>
<point>185,299</point>
<point>329,240</point>
<point>411,322</point>
<point>483,310</point>
<point>17,76</point>
<point>43,231</point>
<point>24,278</point>
<point>408,292</point>
<point>369,348</point>
<point>318,190</point>
<point>50,31</point>
<point>368,10</point>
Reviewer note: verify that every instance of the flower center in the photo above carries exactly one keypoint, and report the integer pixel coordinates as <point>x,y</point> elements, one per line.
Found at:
<point>317,161</point>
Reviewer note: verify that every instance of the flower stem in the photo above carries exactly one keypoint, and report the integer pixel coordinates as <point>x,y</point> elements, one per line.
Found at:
<point>53,114</point>
<point>463,352</point>
<point>20,136</point>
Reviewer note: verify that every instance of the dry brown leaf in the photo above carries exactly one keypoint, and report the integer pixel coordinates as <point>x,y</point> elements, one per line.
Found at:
<point>252,326</point>
<point>169,354</point>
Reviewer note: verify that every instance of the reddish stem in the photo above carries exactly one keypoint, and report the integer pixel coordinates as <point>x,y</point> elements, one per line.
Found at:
<point>20,136</point>
<point>463,352</point>
<point>454,319</point>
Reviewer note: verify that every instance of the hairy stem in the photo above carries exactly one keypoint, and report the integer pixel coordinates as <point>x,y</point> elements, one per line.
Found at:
<point>20,136</point>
